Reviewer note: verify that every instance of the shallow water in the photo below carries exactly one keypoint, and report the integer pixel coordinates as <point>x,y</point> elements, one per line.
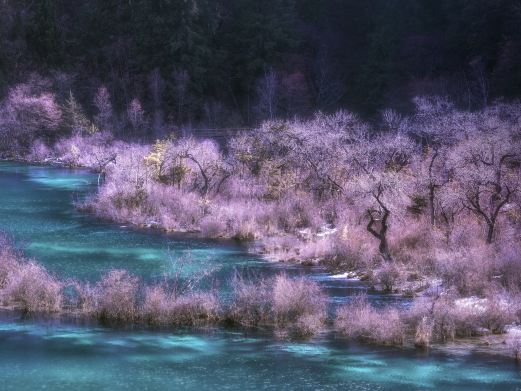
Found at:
<point>61,357</point>
<point>36,209</point>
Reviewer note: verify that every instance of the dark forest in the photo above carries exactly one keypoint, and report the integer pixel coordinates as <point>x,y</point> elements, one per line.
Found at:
<point>222,63</point>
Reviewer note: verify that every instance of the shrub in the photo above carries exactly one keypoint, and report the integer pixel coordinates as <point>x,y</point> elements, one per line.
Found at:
<point>388,276</point>
<point>117,296</point>
<point>194,309</point>
<point>31,288</point>
<point>298,305</point>
<point>39,152</point>
<point>87,298</point>
<point>163,308</point>
<point>8,261</point>
<point>423,334</point>
<point>252,303</point>
<point>469,270</point>
<point>360,321</point>
<point>513,342</point>
<point>156,305</point>
<point>451,317</point>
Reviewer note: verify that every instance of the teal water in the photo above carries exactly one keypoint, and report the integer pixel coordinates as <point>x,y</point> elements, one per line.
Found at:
<point>36,208</point>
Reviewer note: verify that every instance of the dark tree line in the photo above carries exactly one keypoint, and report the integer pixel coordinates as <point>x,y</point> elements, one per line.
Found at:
<point>223,62</point>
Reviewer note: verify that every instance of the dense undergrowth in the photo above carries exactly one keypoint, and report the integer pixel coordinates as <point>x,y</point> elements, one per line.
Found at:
<point>293,308</point>
<point>426,205</point>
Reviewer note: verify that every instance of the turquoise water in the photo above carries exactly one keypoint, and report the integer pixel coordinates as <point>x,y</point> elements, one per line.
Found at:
<point>36,209</point>
<point>58,357</point>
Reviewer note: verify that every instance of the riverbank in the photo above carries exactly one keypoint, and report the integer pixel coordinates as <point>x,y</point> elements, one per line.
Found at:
<point>402,218</point>
<point>292,308</point>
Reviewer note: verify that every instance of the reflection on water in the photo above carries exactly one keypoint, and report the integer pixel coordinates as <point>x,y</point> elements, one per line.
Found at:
<point>36,208</point>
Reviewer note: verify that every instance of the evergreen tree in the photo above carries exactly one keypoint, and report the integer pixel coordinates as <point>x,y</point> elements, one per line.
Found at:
<point>44,35</point>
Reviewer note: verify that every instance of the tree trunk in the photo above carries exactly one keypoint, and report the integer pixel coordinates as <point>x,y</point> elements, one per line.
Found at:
<point>431,204</point>
<point>490,232</point>
<point>384,249</point>
<point>381,234</point>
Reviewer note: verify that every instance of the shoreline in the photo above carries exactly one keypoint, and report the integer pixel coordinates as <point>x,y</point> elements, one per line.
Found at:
<point>473,342</point>
<point>491,346</point>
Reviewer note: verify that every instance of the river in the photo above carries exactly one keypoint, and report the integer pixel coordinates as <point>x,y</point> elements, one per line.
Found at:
<point>36,209</point>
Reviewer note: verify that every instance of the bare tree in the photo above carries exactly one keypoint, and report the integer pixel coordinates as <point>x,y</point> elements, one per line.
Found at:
<point>487,170</point>
<point>104,115</point>
<point>380,182</point>
<point>267,95</point>
<point>28,112</point>
<point>136,116</point>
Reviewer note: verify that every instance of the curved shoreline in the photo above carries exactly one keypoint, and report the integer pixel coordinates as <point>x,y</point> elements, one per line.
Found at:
<point>475,342</point>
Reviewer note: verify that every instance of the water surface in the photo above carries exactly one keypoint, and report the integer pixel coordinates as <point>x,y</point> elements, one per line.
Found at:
<point>36,208</point>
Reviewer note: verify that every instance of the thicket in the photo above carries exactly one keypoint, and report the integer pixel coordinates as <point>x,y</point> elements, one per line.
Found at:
<point>293,308</point>
<point>427,204</point>
<point>407,201</point>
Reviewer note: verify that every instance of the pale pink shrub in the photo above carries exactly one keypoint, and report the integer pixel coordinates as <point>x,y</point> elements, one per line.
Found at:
<point>156,305</point>
<point>298,211</point>
<point>281,248</point>
<point>172,208</point>
<point>214,226</point>
<point>252,303</point>
<point>360,321</point>
<point>513,342</point>
<point>195,308</point>
<point>117,296</point>
<point>388,275</point>
<point>510,266</point>
<point>9,261</point>
<point>87,299</point>
<point>470,270</point>
<point>299,306</point>
<point>423,333</point>
<point>30,288</point>
<point>296,307</point>
<point>93,151</point>
<point>39,152</point>
<point>28,112</point>
<point>162,308</point>
<point>451,317</point>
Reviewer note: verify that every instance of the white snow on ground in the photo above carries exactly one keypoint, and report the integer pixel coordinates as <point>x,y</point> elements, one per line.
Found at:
<point>348,275</point>
<point>478,305</point>
<point>472,303</point>
<point>323,232</point>
<point>514,331</point>
<point>326,231</point>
